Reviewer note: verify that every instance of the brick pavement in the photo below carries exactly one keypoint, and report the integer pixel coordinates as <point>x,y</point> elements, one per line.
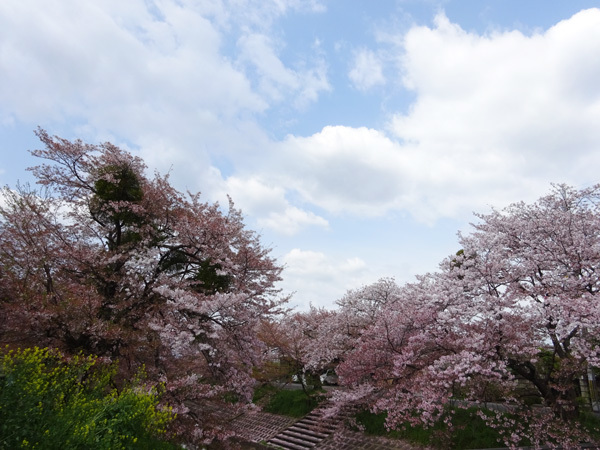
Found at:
<point>346,439</point>
<point>260,427</point>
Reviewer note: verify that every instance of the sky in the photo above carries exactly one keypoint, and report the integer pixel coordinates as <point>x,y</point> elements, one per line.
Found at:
<point>357,137</point>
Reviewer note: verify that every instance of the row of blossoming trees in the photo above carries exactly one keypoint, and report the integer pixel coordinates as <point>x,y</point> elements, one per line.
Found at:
<point>107,261</point>
<point>514,315</point>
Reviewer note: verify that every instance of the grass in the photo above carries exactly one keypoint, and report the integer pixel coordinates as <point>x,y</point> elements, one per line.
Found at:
<point>469,432</point>
<point>293,403</point>
<point>591,423</point>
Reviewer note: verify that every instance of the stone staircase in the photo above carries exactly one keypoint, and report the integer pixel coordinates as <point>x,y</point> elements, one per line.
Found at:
<point>309,431</point>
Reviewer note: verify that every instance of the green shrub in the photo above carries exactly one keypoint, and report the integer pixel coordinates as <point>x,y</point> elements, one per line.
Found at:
<point>263,392</point>
<point>591,423</point>
<point>294,403</point>
<point>49,402</point>
<point>468,431</point>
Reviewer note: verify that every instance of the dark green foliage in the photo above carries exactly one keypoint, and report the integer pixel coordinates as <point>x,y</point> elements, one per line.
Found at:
<point>203,272</point>
<point>115,191</point>
<point>469,431</point>
<point>263,392</point>
<point>210,281</point>
<point>591,423</point>
<point>126,186</point>
<point>173,261</point>
<point>294,403</point>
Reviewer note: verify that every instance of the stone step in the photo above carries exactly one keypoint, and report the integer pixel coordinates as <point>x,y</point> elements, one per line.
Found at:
<point>307,431</point>
<point>320,433</point>
<point>317,426</point>
<point>320,418</point>
<point>301,435</point>
<point>285,444</point>
<point>285,436</point>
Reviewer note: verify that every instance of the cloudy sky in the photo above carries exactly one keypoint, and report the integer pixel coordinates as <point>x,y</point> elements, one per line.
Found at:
<point>357,136</point>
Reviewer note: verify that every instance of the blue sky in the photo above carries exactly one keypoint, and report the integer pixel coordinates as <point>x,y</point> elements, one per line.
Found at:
<point>357,137</point>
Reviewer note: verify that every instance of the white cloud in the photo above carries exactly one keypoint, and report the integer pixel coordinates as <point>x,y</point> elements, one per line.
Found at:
<point>89,59</point>
<point>291,220</point>
<point>343,169</point>
<point>501,114</point>
<point>367,70</point>
<point>320,278</point>
<point>268,203</point>
<point>353,265</point>
<point>256,13</point>
<point>275,80</point>
<point>153,76</point>
<point>258,50</point>
<point>496,119</point>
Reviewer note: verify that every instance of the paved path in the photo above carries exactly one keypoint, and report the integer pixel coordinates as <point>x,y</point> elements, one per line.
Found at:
<point>346,439</point>
<point>260,427</point>
<point>310,431</point>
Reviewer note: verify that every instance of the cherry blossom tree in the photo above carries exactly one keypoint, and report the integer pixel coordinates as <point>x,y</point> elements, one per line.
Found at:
<point>293,338</point>
<point>329,336</point>
<point>314,341</point>
<point>518,305</point>
<point>359,309</point>
<point>107,261</point>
